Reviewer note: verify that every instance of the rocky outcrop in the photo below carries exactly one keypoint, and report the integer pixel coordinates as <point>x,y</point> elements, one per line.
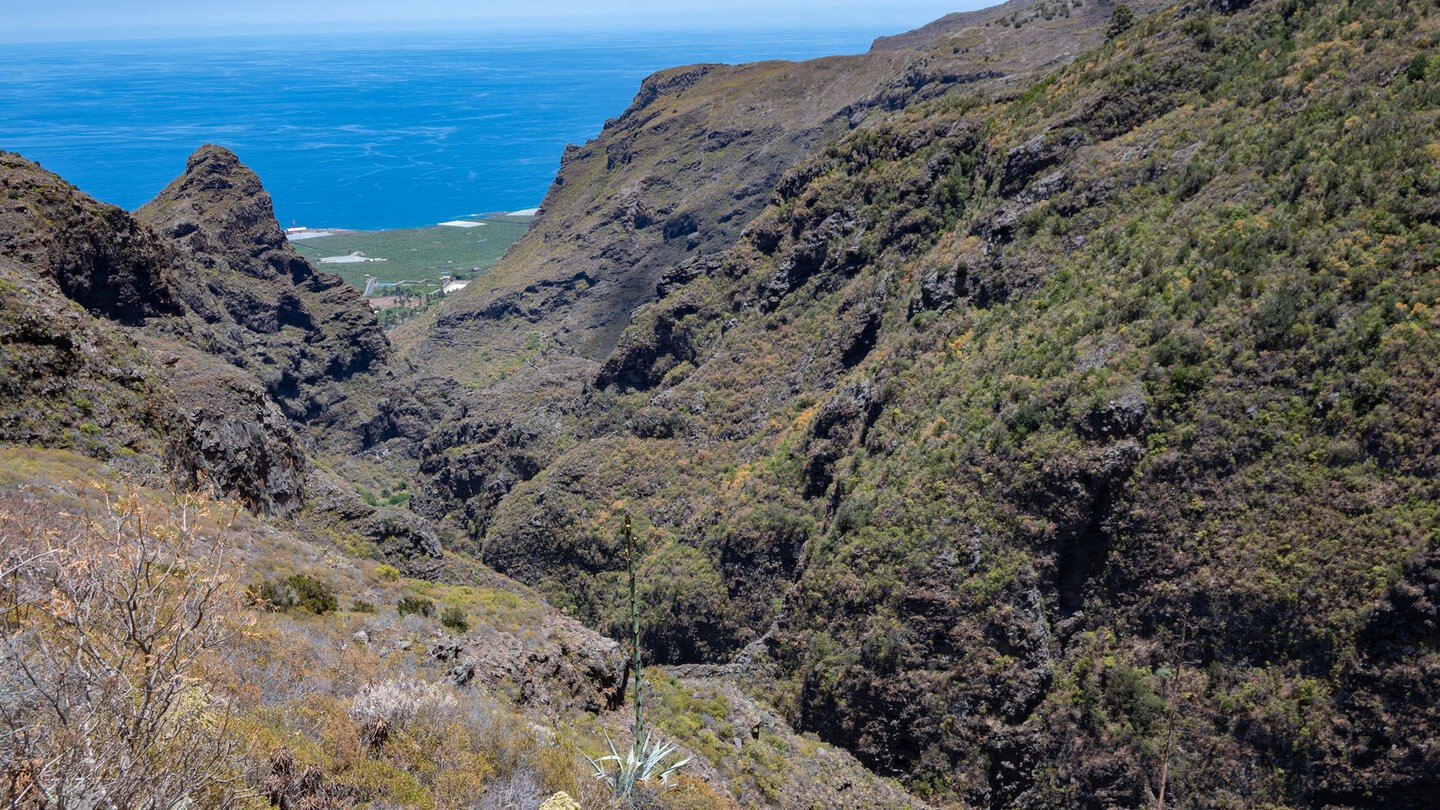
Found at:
<point>236,437</point>
<point>475,462</point>
<point>221,213</point>
<point>643,358</point>
<point>197,340</point>
<point>840,422</point>
<point>97,255</point>
<point>99,379</point>
<point>263,307</point>
<point>559,667</point>
<point>1121,417</point>
<point>405,538</point>
<point>941,288</point>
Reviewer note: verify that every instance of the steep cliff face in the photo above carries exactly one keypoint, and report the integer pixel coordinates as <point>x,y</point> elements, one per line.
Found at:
<point>693,160</point>
<point>189,339</point>
<point>85,284</point>
<point>264,308</point>
<point>1056,441</point>
<point>680,172</point>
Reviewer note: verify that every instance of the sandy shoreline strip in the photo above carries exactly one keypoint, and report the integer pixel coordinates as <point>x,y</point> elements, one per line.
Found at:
<point>301,234</point>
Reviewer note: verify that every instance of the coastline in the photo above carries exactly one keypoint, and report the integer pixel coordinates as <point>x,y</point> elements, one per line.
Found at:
<point>419,263</point>
<point>303,232</point>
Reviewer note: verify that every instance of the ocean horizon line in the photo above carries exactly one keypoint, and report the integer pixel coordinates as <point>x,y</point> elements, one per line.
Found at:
<point>377,130</point>
<point>530,29</point>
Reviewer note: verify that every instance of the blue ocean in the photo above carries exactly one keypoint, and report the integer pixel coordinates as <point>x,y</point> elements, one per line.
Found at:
<point>351,130</point>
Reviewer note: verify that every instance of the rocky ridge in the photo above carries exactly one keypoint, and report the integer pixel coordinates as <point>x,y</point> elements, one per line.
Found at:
<point>190,340</point>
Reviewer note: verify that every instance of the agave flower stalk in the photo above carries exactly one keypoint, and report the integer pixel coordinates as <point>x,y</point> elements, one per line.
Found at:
<point>635,628</point>
<point>645,758</point>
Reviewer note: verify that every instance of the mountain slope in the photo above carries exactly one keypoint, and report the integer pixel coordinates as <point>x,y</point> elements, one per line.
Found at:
<point>1055,434</point>
<point>1087,431</point>
<point>204,353</point>
<point>351,695</point>
<point>680,174</point>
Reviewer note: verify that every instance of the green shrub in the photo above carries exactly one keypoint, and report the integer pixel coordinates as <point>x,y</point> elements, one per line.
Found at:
<point>453,617</point>
<point>297,590</point>
<point>1418,66</point>
<point>362,606</point>
<point>853,514</point>
<point>1275,320</point>
<point>1131,690</point>
<point>415,604</point>
<point>1028,418</point>
<point>1187,379</point>
<point>1120,21</point>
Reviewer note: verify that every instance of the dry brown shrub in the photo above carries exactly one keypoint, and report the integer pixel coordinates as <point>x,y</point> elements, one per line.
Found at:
<point>306,790</point>
<point>111,619</point>
<point>685,791</point>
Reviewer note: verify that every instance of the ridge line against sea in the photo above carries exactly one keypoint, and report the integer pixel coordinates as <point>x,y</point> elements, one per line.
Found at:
<point>355,131</point>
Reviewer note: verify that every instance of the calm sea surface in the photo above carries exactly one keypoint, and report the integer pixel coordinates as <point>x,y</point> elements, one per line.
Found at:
<point>356,130</point>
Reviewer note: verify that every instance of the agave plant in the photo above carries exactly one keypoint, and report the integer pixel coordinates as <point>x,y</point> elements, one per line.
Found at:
<point>646,757</point>
<point>642,764</point>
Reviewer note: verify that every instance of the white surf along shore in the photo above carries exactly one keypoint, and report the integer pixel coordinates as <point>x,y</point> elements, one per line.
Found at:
<point>300,232</point>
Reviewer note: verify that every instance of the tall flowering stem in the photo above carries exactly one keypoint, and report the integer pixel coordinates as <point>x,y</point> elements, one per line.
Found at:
<point>635,626</point>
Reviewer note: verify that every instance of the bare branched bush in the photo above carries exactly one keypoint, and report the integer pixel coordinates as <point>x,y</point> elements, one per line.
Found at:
<point>110,622</point>
<point>519,791</point>
<point>397,702</point>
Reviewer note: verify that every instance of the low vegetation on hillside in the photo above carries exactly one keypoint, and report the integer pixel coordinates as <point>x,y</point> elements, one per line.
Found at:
<point>165,648</point>
<point>1038,411</point>
<point>1056,446</point>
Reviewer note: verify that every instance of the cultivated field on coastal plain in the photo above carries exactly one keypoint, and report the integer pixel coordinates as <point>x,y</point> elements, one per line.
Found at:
<point>415,253</point>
